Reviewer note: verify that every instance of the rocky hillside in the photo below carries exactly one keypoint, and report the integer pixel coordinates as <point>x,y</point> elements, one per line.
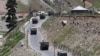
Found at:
<point>80,34</point>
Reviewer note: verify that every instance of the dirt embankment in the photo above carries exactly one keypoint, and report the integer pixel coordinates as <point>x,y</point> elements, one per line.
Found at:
<point>88,4</point>
<point>81,34</point>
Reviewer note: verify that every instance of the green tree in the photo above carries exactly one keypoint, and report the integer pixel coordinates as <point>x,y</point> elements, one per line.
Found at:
<point>11,19</point>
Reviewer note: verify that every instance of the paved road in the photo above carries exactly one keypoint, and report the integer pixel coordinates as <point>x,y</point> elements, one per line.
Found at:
<point>34,40</point>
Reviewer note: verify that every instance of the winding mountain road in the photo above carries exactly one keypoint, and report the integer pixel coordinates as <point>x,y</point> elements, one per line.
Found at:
<point>34,40</point>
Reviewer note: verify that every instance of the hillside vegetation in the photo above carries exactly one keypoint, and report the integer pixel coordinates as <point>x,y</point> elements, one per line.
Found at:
<point>96,3</point>
<point>80,34</point>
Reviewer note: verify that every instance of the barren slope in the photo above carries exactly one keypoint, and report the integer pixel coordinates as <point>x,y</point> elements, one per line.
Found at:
<point>80,34</point>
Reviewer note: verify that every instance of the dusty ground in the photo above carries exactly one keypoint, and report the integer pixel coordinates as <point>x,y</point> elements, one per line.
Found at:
<point>80,34</point>
<point>3,28</point>
<point>88,4</point>
<point>23,5</point>
<point>2,6</point>
<point>23,51</point>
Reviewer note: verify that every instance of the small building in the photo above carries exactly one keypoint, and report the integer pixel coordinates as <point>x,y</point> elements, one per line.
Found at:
<point>80,10</point>
<point>21,15</point>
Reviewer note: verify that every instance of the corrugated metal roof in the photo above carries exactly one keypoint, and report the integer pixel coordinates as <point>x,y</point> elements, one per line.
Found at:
<point>79,8</point>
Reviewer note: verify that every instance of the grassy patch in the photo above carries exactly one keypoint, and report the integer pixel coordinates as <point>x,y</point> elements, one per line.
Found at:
<point>97,48</point>
<point>83,52</point>
<point>12,39</point>
<point>10,42</point>
<point>97,4</point>
<point>80,2</point>
<point>61,37</point>
<point>22,7</point>
<point>3,31</point>
<point>46,24</point>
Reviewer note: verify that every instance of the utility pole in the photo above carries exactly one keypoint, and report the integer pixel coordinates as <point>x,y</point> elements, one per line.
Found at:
<point>26,31</point>
<point>30,9</point>
<point>84,3</point>
<point>54,48</point>
<point>27,38</point>
<point>58,6</point>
